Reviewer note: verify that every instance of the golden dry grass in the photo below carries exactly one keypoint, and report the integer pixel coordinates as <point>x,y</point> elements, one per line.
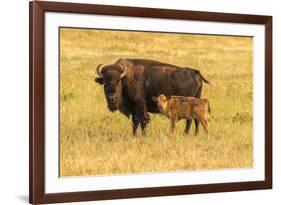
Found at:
<point>94,141</point>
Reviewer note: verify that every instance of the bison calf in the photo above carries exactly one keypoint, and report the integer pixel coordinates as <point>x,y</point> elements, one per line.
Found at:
<point>180,107</point>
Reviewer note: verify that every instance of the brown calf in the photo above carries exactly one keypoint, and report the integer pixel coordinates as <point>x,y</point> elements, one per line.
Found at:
<point>180,107</point>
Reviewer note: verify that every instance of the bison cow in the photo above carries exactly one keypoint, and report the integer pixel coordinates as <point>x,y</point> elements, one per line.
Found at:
<point>130,85</point>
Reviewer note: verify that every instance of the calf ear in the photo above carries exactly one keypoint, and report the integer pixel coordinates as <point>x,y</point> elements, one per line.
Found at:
<point>99,80</point>
<point>154,98</point>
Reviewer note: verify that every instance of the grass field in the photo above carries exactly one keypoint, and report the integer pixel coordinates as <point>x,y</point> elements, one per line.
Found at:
<point>94,141</point>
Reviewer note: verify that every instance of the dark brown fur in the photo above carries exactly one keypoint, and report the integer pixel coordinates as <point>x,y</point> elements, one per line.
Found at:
<point>180,107</point>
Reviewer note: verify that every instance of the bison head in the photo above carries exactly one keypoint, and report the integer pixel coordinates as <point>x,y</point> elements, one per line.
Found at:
<point>111,77</point>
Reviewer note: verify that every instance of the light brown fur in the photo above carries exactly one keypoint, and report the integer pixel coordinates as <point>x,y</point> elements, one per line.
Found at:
<point>180,107</point>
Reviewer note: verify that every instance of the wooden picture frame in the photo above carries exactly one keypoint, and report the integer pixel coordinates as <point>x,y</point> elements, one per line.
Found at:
<point>37,10</point>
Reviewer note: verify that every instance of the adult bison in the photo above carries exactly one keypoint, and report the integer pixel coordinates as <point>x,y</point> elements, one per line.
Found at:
<point>130,84</point>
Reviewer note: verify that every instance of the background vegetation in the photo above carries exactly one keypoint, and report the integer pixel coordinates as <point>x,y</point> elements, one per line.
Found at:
<point>94,141</point>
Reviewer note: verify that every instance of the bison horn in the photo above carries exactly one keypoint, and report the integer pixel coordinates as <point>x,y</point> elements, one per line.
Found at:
<point>124,68</point>
<point>99,68</point>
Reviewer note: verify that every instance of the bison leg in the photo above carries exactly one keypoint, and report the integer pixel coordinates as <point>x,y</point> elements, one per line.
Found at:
<point>196,126</point>
<point>187,125</point>
<point>135,124</point>
<point>141,114</point>
<point>144,122</point>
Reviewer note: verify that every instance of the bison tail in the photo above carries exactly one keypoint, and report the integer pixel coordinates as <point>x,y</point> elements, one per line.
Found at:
<point>207,102</point>
<point>204,79</point>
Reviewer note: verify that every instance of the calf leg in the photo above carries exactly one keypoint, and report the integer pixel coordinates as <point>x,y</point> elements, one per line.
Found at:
<point>198,95</point>
<point>205,124</point>
<point>173,125</point>
<point>206,127</point>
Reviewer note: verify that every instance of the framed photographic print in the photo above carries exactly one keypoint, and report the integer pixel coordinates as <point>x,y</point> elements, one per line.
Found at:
<point>138,102</point>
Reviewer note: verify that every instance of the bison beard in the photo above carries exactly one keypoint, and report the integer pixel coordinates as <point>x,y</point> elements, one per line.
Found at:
<point>131,84</point>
